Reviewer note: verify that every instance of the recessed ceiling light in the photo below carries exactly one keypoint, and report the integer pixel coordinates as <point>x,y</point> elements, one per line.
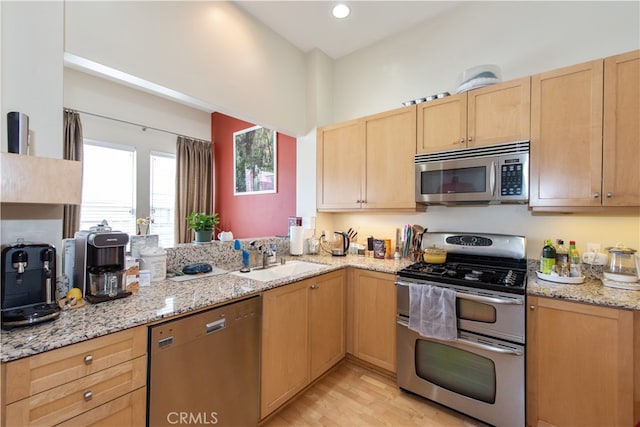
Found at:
<point>341,11</point>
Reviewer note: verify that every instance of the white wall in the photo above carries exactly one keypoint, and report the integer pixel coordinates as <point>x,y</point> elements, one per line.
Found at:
<point>524,38</point>
<point>32,43</point>
<point>208,50</point>
<point>87,93</point>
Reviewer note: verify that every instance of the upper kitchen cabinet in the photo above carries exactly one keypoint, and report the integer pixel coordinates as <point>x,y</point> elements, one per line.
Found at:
<point>30,179</point>
<point>366,164</point>
<point>490,115</point>
<point>572,165</point>
<point>621,136</point>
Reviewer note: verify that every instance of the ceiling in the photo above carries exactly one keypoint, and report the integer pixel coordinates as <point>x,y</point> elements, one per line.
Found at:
<point>309,24</point>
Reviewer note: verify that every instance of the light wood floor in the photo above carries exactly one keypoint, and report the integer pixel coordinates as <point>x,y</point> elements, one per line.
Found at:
<point>353,395</point>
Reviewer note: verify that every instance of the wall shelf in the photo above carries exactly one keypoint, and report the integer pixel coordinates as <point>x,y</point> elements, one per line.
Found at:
<point>30,179</point>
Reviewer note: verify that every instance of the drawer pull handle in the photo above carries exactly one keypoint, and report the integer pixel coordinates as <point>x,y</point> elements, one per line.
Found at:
<point>88,359</point>
<point>87,395</point>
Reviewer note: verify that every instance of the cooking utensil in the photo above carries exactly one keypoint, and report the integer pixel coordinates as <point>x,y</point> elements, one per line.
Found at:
<point>434,255</point>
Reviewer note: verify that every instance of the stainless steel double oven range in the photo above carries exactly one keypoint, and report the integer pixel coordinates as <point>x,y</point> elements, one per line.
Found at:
<point>482,373</point>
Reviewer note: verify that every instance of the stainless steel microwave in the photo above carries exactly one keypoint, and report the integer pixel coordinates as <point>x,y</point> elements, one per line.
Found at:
<point>480,175</point>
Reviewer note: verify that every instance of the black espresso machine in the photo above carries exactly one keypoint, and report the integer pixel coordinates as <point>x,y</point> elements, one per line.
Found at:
<point>28,284</point>
<point>99,265</point>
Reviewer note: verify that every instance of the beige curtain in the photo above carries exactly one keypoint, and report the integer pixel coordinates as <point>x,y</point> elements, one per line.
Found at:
<point>194,183</point>
<point>72,150</point>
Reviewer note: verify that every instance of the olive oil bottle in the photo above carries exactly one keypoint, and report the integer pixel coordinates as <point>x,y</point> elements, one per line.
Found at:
<point>548,259</point>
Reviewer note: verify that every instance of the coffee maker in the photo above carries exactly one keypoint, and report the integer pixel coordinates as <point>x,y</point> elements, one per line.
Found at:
<point>28,284</point>
<point>100,263</point>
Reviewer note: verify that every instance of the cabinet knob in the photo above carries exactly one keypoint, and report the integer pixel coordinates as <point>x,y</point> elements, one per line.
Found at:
<point>314,286</point>
<point>461,140</point>
<point>532,307</point>
<point>88,359</point>
<point>596,195</point>
<point>609,194</point>
<point>88,395</point>
<point>470,139</point>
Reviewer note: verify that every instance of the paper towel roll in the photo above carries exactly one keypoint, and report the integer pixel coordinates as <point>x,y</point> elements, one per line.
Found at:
<point>296,240</point>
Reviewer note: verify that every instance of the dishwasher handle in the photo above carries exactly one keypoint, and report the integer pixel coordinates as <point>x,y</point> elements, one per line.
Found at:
<point>216,326</point>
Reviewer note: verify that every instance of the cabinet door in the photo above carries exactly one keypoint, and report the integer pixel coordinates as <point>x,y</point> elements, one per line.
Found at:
<point>44,371</point>
<point>126,411</point>
<point>390,149</point>
<point>566,136</point>
<point>340,165</point>
<point>442,124</point>
<point>285,345</point>
<point>374,323</point>
<point>326,321</point>
<point>74,398</point>
<point>621,155</point>
<point>499,113</point>
<point>579,364</point>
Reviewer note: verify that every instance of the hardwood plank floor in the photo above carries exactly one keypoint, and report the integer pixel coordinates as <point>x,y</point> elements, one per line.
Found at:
<point>353,395</point>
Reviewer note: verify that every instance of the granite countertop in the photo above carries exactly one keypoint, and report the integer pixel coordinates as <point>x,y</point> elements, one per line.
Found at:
<point>592,291</point>
<point>161,301</point>
<point>168,299</point>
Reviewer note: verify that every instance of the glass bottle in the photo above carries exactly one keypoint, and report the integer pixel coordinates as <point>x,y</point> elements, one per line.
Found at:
<point>548,259</point>
<point>562,259</point>
<point>575,269</point>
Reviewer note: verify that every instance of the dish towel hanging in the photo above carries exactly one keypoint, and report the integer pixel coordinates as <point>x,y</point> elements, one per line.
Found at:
<point>432,312</point>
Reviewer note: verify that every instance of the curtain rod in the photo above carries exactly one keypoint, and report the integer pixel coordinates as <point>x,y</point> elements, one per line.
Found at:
<point>144,127</point>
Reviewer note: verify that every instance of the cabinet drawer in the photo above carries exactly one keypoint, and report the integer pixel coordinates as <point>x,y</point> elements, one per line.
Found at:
<point>44,371</point>
<point>126,411</point>
<point>68,400</point>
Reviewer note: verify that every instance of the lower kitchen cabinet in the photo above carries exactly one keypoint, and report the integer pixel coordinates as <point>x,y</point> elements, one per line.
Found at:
<point>303,335</point>
<point>372,313</point>
<point>101,381</point>
<point>580,364</point>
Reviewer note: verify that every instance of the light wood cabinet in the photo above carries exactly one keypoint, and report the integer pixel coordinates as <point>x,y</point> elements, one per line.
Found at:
<point>30,179</point>
<point>621,137</point>
<point>78,381</point>
<point>580,362</point>
<point>490,115</point>
<point>364,164</point>
<point>327,322</point>
<point>372,312</point>
<point>571,165</point>
<point>303,335</point>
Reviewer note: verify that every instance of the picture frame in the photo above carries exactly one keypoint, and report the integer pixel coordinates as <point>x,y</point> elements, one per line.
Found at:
<point>254,161</point>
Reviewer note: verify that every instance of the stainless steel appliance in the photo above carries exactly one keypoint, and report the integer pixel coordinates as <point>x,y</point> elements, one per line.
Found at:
<point>204,368</point>
<point>28,284</point>
<point>100,263</point>
<point>482,373</point>
<point>480,175</point>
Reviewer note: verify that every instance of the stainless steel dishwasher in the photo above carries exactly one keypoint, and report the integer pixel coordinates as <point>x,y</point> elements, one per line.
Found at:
<point>204,368</point>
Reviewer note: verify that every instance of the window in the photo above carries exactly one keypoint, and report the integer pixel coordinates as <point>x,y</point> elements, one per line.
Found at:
<point>108,186</point>
<point>162,200</point>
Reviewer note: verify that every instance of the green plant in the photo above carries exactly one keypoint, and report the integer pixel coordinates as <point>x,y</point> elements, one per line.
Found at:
<point>203,222</point>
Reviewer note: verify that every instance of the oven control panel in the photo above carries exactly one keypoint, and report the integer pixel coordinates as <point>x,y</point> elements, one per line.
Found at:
<point>469,240</point>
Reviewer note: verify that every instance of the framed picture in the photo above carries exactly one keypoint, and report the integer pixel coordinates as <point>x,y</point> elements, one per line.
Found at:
<point>254,161</point>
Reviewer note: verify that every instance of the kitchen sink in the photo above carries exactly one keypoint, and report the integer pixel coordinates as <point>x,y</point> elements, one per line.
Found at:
<point>282,271</point>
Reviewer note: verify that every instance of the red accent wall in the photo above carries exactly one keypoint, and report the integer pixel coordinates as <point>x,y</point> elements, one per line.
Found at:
<point>259,215</point>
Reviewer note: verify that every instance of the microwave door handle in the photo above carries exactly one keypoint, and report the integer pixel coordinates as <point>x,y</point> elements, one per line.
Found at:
<point>492,178</point>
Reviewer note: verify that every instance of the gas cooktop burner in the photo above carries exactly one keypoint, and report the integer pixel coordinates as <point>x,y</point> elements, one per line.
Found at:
<point>504,278</point>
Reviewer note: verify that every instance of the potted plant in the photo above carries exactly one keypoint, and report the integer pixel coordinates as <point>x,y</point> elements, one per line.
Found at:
<point>203,225</point>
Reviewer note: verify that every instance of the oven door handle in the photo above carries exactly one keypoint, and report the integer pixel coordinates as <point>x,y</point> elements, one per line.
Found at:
<point>474,344</point>
<point>482,298</point>
<point>474,297</point>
